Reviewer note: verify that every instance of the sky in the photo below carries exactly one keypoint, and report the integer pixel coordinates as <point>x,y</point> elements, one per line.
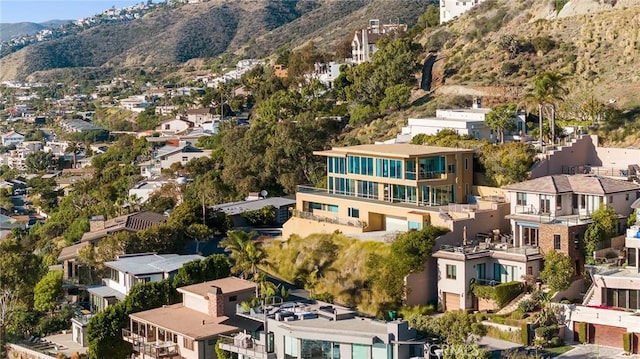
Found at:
<point>12,11</point>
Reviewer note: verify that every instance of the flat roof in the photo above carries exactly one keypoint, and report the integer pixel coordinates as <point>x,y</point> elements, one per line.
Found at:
<point>106,292</point>
<point>402,150</point>
<point>239,207</point>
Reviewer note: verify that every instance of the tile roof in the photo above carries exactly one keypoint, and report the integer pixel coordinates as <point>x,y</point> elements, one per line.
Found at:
<point>71,251</point>
<point>131,222</point>
<point>227,285</point>
<point>583,184</point>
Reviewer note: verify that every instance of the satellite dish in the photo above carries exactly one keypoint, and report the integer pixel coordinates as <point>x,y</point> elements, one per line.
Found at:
<point>264,193</point>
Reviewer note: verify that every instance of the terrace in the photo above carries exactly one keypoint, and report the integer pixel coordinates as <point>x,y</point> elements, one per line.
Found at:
<point>148,347</point>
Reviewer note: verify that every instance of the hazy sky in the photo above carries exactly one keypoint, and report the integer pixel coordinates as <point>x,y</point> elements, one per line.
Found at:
<point>42,10</point>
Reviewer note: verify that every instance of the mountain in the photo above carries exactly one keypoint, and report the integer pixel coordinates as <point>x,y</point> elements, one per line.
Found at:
<point>496,49</point>
<point>247,28</point>
<point>11,30</point>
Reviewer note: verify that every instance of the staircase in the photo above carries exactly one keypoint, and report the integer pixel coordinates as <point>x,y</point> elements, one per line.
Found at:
<point>513,305</point>
<point>589,298</point>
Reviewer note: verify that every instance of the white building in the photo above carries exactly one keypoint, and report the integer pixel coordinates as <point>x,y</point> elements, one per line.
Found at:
<point>363,45</point>
<point>450,9</point>
<point>131,269</point>
<point>11,138</point>
<point>470,121</point>
<point>144,190</point>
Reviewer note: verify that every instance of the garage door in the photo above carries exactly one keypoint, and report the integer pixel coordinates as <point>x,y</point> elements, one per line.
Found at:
<point>395,224</point>
<point>451,301</point>
<point>607,335</point>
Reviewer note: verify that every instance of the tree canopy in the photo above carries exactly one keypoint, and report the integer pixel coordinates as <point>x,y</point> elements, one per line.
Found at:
<point>558,271</point>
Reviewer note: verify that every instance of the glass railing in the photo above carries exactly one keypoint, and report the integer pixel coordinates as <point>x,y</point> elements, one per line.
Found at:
<point>243,344</point>
<point>334,220</point>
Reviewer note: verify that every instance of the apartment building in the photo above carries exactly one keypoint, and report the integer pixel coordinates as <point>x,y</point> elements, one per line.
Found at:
<point>553,212</point>
<point>310,329</point>
<point>386,187</point>
<point>190,330</point>
<point>450,9</point>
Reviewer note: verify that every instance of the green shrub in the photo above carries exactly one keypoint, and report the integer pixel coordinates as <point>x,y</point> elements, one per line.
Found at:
<point>547,332</point>
<point>484,292</point>
<point>556,342</point>
<point>582,332</point>
<point>526,306</point>
<point>626,342</point>
<point>512,336</point>
<point>518,314</point>
<point>506,292</point>
<point>524,334</point>
<point>323,297</point>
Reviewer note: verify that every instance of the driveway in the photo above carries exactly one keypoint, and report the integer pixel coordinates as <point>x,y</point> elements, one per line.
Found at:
<point>588,351</point>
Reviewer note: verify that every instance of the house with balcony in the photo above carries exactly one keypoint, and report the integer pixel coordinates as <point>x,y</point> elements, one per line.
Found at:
<point>553,212</point>
<point>374,192</point>
<point>611,305</point>
<point>485,262</point>
<point>311,329</point>
<point>190,330</point>
<point>130,269</point>
<point>385,187</point>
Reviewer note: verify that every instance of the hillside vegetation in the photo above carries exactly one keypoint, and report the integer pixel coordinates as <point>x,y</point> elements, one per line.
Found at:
<point>238,28</point>
<point>11,30</point>
<point>499,46</point>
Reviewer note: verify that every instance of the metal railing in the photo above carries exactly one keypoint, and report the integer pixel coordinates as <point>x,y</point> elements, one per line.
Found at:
<point>153,349</point>
<point>249,348</point>
<point>333,220</point>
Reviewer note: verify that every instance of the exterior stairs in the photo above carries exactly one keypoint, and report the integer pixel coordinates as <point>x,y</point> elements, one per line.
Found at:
<point>589,298</point>
<point>513,305</point>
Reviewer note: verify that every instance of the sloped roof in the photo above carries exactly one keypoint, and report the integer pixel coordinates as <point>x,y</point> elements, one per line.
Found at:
<point>131,222</point>
<point>148,263</point>
<point>582,184</point>
<point>71,251</point>
<point>227,285</point>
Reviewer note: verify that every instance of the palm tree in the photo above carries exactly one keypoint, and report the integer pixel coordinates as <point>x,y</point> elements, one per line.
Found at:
<point>547,91</point>
<point>246,255</point>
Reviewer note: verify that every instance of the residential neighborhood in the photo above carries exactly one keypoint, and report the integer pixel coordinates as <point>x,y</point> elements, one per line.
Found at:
<point>323,199</point>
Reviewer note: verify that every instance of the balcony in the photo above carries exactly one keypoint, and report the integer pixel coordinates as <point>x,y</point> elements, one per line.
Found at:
<point>148,348</point>
<point>333,220</point>
<point>245,345</point>
<point>531,214</point>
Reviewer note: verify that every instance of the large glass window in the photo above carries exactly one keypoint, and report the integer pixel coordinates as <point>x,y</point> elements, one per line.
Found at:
<point>521,199</point>
<point>380,351</point>
<point>410,169</point>
<point>360,165</point>
<point>388,168</point>
<point>290,348</point>
<point>336,165</point>
<point>631,257</point>
<point>339,185</point>
<point>319,349</point>
<point>431,167</point>
<point>367,189</point>
<point>443,195</point>
<point>481,271</point>
<point>404,194</point>
<point>359,351</point>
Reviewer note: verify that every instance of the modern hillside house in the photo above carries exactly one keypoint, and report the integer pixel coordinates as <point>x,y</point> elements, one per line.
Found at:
<point>387,187</point>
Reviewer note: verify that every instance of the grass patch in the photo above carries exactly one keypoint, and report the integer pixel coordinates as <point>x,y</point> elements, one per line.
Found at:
<point>559,350</point>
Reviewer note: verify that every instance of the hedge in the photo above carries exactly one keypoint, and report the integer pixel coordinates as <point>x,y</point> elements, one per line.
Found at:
<point>502,293</point>
<point>547,332</point>
<point>524,334</point>
<point>582,332</point>
<point>506,292</point>
<point>626,342</point>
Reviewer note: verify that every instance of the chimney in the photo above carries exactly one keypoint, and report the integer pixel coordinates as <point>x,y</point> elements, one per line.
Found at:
<point>96,223</point>
<point>216,302</point>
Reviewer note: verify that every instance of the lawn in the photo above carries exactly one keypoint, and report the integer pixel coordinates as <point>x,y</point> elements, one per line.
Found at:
<point>558,350</point>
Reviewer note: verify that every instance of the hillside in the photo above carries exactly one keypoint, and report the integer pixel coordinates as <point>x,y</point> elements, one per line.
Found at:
<point>248,28</point>
<point>11,30</point>
<point>498,47</point>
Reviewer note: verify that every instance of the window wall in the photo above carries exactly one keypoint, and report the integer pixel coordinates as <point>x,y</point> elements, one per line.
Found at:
<point>319,349</point>
<point>360,165</point>
<point>431,167</point>
<point>388,168</point>
<point>404,194</point>
<point>437,196</point>
<point>367,189</point>
<point>339,185</point>
<point>336,165</point>
<point>623,298</point>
